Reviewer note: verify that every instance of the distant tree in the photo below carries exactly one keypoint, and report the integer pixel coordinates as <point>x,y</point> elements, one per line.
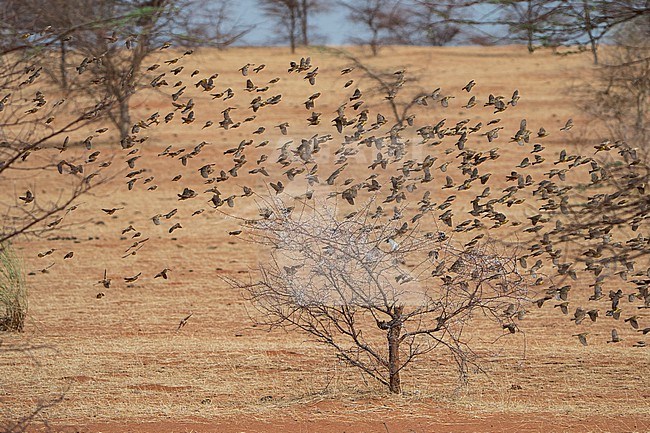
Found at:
<point>294,16</point>
<point>383,19</point>
<point>287,15</point>
<point>433,23</point>
<point>574,23</point>
<point>124,33</point>
<point>119,70</point>
<point>529,20</point>
<point>206,23</point>
<point>588,22</point>
<point>131,24</point>
<point>307,9</point>
<point>33,119</point>
<point>618,97</point>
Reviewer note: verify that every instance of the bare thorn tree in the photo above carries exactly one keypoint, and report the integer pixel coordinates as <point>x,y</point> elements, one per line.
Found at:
<point>618,99</point>
<point>586,23</point>
<point>122,35</point>
<point>432,23</point>
<point>215,26</point>
<point>528,20</point>
<point>379,295</point>
<point>382,19</point>
<point>294,18</point>
<point>35,137</point>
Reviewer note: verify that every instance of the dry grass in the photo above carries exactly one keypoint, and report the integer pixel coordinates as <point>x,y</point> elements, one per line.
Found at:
<point>13,292</point>
<point>120,357</point>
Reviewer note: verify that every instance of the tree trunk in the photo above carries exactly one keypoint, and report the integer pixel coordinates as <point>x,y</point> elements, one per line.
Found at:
<point>63,69</point>
<point>292,29</point>
<point>303,22</point>
<point>589,30</point>
<point>394,332</point>
<point>124,118</point>
<point>530,34</point>
<point>374,42</point>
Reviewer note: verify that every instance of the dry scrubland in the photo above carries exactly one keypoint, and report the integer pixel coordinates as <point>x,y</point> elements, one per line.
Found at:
<point>122,366</point>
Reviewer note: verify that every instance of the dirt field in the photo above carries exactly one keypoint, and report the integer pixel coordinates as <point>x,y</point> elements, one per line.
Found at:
<point>120,365</point>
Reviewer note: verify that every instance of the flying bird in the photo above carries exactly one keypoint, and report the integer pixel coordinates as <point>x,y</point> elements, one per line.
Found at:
<point>183,322</point>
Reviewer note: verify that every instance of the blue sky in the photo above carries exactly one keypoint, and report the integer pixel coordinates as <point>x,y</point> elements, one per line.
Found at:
<point>331,27</point>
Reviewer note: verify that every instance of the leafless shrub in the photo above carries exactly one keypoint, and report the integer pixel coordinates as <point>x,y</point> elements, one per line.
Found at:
<point>35,130</point>
<point>379,294</point>
<point>600,212</point>
<point>105,42</point>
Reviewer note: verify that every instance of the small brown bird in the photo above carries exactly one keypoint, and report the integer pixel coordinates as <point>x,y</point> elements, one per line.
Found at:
<point>468,86</point>
<point>564,307</point>
<point>184,321</point>
<point>311,76</point>
<point>133,278</point>
<point>106,282</point>
<point>582,337</point>
<point>633,321</point>
<point>593,314</point>
<point>283,127</point>
<point>187,194</point>
<point>278,187</point>
<point>244,69</point>
<point>615,337</point>
<point>579,315</point>
<point>163,274</point>
<point>113,210</point>
<point>568,125</point>
<point>28,197</point>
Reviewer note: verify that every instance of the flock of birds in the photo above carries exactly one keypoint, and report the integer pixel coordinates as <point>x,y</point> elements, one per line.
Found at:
<point>433,170</point>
